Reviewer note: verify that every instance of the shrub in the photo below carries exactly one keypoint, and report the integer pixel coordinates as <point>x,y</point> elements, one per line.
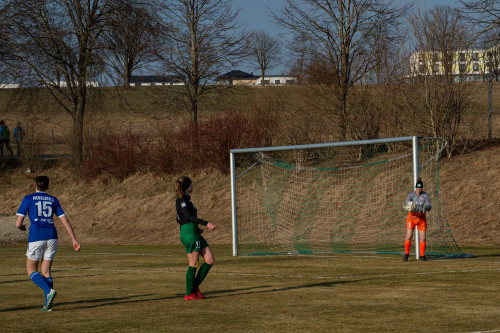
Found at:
<point>196,146</point>
<point>118,155</point>
<point>162,153</point>
<point>222,133</point>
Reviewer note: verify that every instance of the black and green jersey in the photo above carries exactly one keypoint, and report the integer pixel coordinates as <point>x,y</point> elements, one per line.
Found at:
<point>187,212</point>
<point>189,221</point>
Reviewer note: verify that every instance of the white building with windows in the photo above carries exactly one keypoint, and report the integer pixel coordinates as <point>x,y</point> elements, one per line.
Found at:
<point>240,78</point>
<point>277,80</point>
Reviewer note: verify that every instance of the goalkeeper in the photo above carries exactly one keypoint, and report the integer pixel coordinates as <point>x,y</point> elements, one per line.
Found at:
<point>416,204</point>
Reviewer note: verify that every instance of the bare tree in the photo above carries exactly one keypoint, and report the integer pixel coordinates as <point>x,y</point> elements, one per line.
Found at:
<point>298,49</point>
<point>202,41</point>
<point>486,15</point>
<point>483,13</point>
<point>444,97</point>
<point>52,44</point>
<point>133,37</point>
<point>388,52</point>
<point>343,32</point>
<point>265,50</point>
<point>309,64</point>
<point>440,34</point>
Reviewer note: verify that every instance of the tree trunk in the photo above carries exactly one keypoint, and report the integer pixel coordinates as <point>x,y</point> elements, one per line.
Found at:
<point>78,123</point>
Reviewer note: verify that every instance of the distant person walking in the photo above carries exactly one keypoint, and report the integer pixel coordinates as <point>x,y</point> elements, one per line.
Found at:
<point>192,239</point>
<point>5,138</point>
<point>417,203</point>
<point>18,136</point>
<point>42,239</point>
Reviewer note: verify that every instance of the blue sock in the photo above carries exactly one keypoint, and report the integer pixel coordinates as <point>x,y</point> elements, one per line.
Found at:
<point>49,282</point>
<point>39,280</point>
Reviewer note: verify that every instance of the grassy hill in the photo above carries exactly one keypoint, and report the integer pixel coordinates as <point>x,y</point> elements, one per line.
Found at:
<point>140,209</point>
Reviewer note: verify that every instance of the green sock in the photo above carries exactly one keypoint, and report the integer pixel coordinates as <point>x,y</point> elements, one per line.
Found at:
<point>190,277</point>
<point>202,273</point>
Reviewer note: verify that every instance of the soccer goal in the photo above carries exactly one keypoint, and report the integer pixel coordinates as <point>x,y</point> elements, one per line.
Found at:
<point>335,197</point>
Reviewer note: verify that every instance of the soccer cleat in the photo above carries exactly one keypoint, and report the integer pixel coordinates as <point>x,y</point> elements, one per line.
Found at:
<point>50,299</point>
<point>191,297</point>
<point>199,294</point>
<point>423,258</point>
<point>45,309</point>
<point>405,258</point>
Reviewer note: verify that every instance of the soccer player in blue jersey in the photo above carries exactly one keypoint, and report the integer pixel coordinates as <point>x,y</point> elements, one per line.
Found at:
<point>42,239</point>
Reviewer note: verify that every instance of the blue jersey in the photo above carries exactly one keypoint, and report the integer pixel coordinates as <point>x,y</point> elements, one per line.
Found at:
<point>41,208</point>
<point>4,132</point>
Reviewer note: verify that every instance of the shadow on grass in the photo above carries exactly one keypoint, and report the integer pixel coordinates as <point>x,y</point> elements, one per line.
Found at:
<point>27,279</point>
<point>15,274</point>
<point>486,255</point>
<point>305,286</point>
<point>212,294</point>
<point>12,281</point>
<point>471,256</point>
<point>125,300</point>
<point>102,302</point>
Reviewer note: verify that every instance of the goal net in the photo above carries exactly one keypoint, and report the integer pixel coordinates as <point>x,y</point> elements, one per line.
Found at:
<point>338,197</point>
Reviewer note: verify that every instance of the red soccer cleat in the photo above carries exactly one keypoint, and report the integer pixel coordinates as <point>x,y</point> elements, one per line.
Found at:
<point>199,294</point>
<point>191,297</point>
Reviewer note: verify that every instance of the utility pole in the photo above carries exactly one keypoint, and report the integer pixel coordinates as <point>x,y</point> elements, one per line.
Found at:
<point>490,84</point>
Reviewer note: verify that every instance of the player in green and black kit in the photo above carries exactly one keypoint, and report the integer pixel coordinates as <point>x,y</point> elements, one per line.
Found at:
<point>192,239</point>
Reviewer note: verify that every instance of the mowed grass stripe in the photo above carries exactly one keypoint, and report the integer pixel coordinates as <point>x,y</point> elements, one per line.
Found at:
<point>331,277</point>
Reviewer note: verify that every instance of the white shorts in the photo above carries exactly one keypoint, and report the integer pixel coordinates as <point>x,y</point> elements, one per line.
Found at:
<point>45,249</point>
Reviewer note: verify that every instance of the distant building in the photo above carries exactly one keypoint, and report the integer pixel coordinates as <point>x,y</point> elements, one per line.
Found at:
<point>237,78</point>
<point>277,80</point>
<point>54,84</point>
<point>240,78</point>
<point>467,65</point>
<point>63,84</point>
<point>156,80</point>
<point>9,85</point>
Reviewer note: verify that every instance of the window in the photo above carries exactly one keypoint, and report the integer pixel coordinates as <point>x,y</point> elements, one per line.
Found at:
<point>421,68</point>
<point>266,81</point>
<point>476,67</point>
<point>290,81</point>
<point>276,81</point>
<point>475,56</point>
<point>436,68</point>
<point>462,68</point>
<point>421,57</point>
<point>462,56</point>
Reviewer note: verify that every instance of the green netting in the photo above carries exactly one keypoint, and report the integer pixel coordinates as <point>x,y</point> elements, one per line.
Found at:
<point>337,199</point>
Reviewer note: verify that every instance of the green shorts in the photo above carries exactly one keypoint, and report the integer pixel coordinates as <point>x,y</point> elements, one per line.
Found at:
<point>191,238</point>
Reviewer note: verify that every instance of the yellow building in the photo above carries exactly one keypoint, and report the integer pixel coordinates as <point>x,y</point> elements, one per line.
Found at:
<point>469,65</point>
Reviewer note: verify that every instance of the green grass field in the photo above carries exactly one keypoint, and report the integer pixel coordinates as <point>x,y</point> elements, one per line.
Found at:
<point>140,288</point>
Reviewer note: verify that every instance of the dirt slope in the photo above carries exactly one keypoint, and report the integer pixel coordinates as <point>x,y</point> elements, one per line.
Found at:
<point>140,210</point>
<point>471,196</point>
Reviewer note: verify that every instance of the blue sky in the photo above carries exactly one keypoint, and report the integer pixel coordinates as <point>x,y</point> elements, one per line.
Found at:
<point>254,14</point>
